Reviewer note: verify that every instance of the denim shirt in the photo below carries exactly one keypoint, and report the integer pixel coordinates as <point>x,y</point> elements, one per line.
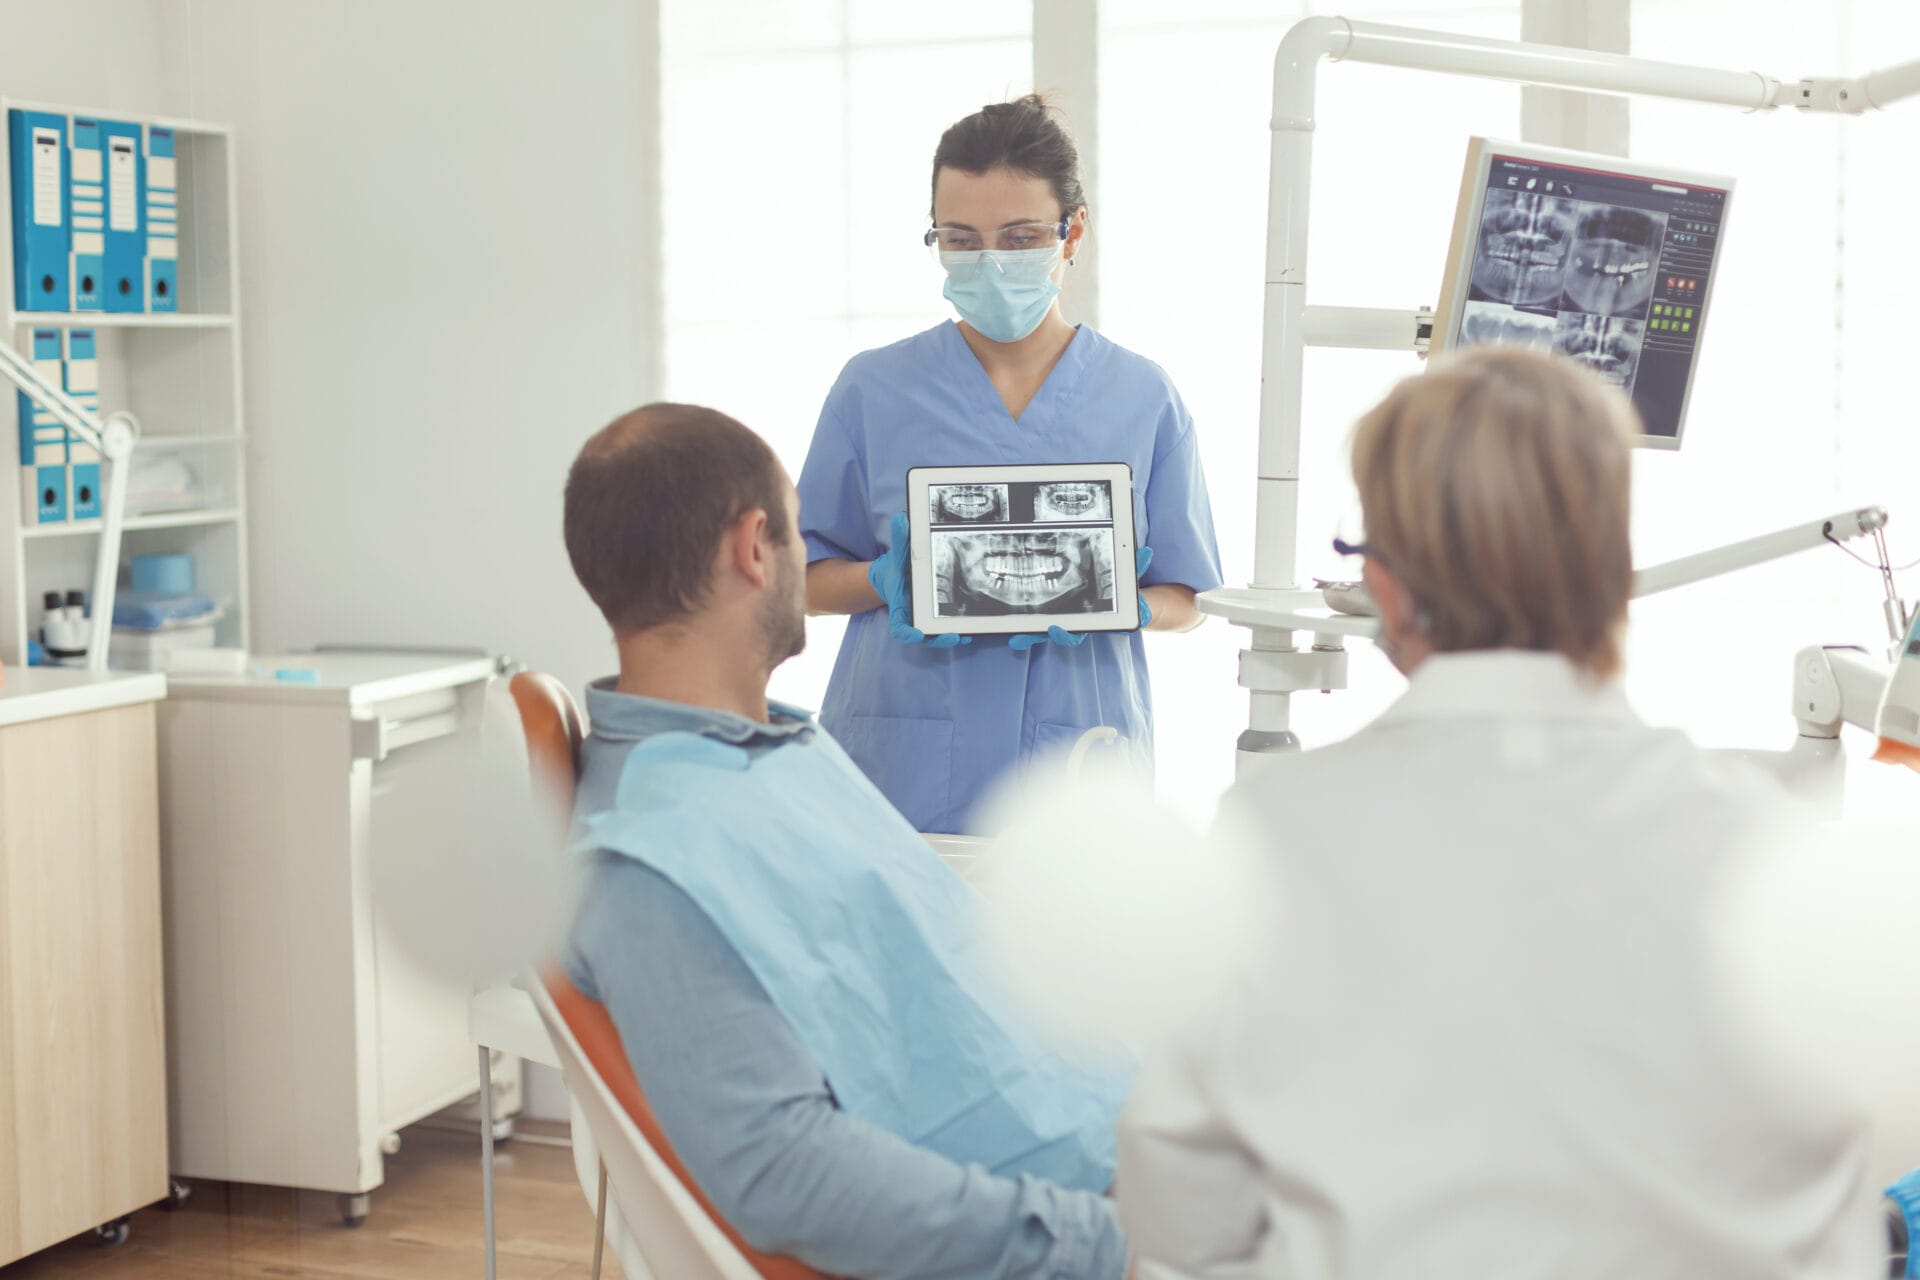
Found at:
<point>746,1107</point>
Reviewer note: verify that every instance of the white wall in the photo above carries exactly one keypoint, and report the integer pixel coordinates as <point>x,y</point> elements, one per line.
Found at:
<point>448,239</point>
<point>449,256</point>
<point>106,54</point>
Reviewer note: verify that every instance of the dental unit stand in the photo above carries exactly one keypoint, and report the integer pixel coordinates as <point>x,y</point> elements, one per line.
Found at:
<point>1833,685</point>
<point>114,438</point>
<point>1275,607</point>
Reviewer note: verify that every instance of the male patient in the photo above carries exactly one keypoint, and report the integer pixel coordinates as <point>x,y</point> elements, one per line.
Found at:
<point>797,978</point>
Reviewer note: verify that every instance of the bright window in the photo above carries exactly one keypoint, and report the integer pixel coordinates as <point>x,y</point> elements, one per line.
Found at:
<point>1799,410</point>
<point>798,140</point>
<point>798,135</point>
<point>1181,218</point>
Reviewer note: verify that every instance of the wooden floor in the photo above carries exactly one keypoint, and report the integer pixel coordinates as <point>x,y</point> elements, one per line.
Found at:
<point>425,1225</point>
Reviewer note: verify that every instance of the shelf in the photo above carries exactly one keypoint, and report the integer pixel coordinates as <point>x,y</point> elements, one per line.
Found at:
<point>176,123</point>
<point>1275,610</point>
<point>163,441</point>
<point>120,320</point>
<point>164,520</point>
<point>178,372</point>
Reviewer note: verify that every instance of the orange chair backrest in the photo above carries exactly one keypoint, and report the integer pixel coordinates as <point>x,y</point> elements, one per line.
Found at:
<point>553,727</point>
<point>551,722</point>
<point>600,1041</point>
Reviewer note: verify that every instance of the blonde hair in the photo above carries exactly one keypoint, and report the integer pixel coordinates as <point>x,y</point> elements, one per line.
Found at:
<point>1495,487</point>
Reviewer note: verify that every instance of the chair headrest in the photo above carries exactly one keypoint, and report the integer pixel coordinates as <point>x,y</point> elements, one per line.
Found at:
<point>553,727</point>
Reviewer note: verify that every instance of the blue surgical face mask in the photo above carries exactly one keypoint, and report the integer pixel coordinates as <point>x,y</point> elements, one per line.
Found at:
<point>1003,295</point>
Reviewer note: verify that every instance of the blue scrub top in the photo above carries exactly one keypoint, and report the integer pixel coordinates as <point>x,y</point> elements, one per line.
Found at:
<point>934,727</point>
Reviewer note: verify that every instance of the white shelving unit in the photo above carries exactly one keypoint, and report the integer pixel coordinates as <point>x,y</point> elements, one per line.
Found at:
<point>178,373</point>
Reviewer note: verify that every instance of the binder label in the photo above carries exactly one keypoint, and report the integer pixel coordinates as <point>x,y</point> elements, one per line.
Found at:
<point>123,187</point>
<point>47,191</point>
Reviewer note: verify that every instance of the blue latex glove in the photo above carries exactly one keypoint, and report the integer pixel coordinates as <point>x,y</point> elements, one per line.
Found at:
<point>1903,1199</point>
<point>1073,639</point>
<point>888,575</point>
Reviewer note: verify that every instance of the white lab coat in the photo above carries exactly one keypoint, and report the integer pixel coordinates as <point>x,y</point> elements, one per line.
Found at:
<point>1487,1036</point>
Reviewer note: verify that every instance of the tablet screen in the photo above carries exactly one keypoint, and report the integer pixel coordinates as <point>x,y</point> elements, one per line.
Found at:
<point>1019,548</point>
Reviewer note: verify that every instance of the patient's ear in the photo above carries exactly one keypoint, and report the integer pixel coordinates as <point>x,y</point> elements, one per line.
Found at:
<point>745,548</point>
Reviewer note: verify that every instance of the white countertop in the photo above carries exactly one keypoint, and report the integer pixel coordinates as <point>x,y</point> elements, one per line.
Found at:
<point>354,678</point>
<point>41,693</point>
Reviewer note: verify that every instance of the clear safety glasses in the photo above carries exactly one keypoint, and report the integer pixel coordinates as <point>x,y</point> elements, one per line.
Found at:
<point>963,247</point>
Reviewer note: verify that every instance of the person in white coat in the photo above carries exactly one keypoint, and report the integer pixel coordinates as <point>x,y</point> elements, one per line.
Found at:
<point>1486,1035</point>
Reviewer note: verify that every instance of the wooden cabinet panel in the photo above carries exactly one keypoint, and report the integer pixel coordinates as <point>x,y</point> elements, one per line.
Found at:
<point>82,1057</point>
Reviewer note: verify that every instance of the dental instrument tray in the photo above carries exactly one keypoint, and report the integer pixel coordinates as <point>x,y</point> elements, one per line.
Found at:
<point>1003,549</point>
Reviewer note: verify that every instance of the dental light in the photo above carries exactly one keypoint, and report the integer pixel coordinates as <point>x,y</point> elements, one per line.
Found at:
<point>114,437</point>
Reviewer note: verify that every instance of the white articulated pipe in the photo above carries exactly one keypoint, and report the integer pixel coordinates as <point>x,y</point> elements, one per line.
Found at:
<point>1296,71</point>
<point>1749,552</point>
<point>118,435</point>
<point>1557,67</point>
<point>1366,328</point>
<point>1890,84</point>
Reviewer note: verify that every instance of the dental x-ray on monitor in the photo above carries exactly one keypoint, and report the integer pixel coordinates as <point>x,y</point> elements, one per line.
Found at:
<point>1604,260</point>
<point>1000,549</point>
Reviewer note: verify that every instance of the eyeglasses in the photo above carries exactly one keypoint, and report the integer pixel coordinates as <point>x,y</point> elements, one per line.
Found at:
<point>1017,238</point>
<point>1342,547</point>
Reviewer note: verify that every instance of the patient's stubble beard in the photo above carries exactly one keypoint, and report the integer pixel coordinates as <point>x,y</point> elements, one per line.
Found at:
<point>783,616</point>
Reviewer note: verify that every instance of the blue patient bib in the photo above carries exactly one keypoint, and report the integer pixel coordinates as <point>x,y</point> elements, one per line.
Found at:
<point>869,945</point>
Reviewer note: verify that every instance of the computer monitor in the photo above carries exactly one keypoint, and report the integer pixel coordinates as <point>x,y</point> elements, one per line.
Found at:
<point>1606,260</point>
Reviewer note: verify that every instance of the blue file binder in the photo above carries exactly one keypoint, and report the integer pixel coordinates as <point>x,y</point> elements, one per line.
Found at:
<point>87,210</point>
<point>39,152</point>
<point>43,441</point>
<point>163,221</point>
<point>126,224</point>
<point>83,460</point>
<point>46,496</point>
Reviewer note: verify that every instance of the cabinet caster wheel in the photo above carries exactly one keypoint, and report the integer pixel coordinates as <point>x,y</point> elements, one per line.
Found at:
<point>177,1194</point>
<point>502,1130</point>
<point>114,1234</point>
<point>353,1209</point>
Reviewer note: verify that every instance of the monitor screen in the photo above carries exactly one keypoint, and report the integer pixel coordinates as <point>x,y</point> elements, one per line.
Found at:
<point>1600,259</point>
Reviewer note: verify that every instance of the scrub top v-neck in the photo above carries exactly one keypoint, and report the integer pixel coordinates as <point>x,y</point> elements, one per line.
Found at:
<point>933,728</point>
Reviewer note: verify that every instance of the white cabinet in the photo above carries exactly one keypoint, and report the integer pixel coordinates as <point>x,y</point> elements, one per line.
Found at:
<point>299,1037</point>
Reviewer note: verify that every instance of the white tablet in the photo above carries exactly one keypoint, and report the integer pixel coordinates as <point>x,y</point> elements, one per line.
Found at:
<point>999,550</point>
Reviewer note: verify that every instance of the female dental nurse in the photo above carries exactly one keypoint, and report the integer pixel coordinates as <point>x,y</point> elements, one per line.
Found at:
<point>934,721</point>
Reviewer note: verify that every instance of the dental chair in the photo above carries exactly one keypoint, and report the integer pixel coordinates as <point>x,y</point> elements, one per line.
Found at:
<point>658,1213</point>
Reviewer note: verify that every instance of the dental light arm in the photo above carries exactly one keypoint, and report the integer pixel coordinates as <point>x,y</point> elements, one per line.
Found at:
<point>114,437</point>
<point>1754,551</point>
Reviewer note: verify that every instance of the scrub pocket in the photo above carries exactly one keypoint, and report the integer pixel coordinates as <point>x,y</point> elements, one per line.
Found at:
<point>910,760</point>
<point>1053,742</point>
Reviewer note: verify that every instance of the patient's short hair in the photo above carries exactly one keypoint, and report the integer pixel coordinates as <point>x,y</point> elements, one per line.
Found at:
<point>1495,487</point>
<point>648,499</point>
